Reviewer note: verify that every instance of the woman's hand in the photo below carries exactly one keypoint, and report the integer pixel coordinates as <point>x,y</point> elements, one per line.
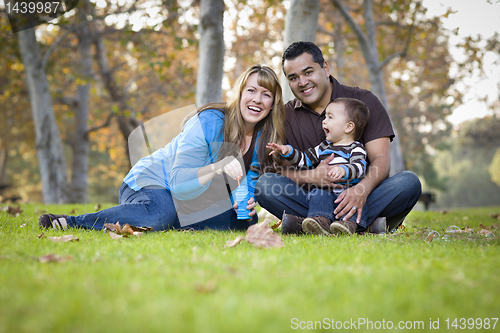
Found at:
<point>250,207</point>
<point>231,167</point>
<point>276,148</point>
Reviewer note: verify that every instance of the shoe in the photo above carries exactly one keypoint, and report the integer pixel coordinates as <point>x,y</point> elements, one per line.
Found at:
<point>47,221</point>
<point>291,224</point>
<point>343,227</point>
<point>317,225</point>
<point>379,226</point>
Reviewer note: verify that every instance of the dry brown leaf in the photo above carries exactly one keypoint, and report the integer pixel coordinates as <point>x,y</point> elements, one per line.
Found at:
<point>276,225</point>
<point>206,288</point>
<point>126,229</point>
<point>113,227</point>
<point>54,258</point>
<point>15,211</point>
<point>430,237</point>
<point>261,234</point>
<point>42,235</point>
<point>97,207</point>
<point>114,236</point>
<point>64,239</point>
<point>486,233</point>
<point>141,229</point>
<point>236,241</point>
<point>443,211</point>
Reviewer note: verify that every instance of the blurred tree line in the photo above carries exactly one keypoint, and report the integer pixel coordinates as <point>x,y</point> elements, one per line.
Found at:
<point>114,65</point>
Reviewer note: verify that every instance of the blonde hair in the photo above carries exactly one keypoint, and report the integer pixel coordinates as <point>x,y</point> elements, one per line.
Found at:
<point>271,127</point>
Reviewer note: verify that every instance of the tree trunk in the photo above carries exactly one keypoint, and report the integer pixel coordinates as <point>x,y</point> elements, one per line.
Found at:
<point>301,23</point>
<point>48,141</point>
<point>80,142</point>
<point>211,59</point>
<point>368,45</point>
<point>126,124</point>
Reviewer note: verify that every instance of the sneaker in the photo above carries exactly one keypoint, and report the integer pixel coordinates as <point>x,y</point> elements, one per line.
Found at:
<point>53,221</point>
<point>291,224</point>
<point>379,226</point>
<point>317,225</point>
<point>343,227</point>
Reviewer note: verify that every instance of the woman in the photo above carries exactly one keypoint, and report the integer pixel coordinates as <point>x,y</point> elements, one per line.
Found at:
<point>204,161</point>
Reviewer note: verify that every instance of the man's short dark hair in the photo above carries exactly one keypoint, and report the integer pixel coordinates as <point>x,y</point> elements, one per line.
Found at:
<point>298,48</point>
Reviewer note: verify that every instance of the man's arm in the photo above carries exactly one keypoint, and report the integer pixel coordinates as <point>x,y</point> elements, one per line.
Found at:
<point>379,155</point>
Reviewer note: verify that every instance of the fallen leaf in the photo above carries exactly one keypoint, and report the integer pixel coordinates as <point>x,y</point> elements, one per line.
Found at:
<point>42,235</point>
<point>72,212</point>
<point>484,227</point>
<point>276,225</point>
<point>97,207</point>
<point>443,211</point>
<point>113,227</point>
<point>126,229</point>
<point>430,237</point>
<point>15,211</point>
<point>486,233</point>
<point>54,258</point>
<point>261,234</point>
<point>141,229</point>
<point>114,236</point>
<point>137,233</point>
<point>206,288</point>
<point>236,241</point>
<point>64,239</point>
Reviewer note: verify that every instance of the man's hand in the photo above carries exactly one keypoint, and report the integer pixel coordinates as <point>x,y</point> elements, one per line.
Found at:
<point>351,200</point>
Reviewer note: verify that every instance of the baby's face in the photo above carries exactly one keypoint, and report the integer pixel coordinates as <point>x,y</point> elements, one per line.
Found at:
<point>335,122</point>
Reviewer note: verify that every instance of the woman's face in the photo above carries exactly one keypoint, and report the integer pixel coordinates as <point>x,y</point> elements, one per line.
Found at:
<point>256,101</point>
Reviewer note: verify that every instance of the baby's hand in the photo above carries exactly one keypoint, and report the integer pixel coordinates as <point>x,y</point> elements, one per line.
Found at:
<point>276,148</point>
<point>337,172</point>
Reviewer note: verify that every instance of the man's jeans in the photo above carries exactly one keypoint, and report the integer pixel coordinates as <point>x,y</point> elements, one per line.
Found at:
<point>152,207</point>
<point>394,198</point>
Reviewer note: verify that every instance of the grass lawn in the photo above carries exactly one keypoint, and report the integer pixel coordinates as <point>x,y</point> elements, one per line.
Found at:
<point>180,281</point>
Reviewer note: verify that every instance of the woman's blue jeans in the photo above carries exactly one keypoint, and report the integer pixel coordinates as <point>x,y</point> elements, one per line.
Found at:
<point>155,208</point>
<point>393,199</point>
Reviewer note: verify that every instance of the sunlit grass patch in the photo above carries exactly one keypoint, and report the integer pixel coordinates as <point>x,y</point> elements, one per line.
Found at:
<point>189,281</point>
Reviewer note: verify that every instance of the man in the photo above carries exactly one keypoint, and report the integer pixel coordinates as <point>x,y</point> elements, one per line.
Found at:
<point>375,195</point>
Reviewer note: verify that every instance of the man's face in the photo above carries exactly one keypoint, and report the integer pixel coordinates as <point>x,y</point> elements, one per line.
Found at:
<point>308,81</point>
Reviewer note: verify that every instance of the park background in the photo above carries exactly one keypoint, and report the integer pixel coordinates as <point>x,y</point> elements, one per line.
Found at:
<point>111,65</point>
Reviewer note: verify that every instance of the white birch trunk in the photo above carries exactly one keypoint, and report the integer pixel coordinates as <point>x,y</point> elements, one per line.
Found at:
<point>211,58</point>
<point>301,24</point>
<point>49,148</point>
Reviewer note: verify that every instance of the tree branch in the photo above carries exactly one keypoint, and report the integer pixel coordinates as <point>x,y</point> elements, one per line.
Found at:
<point>106,124</point>
<point>363,42</point>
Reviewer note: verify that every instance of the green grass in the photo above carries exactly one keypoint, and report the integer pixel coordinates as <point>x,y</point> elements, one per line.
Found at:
<point>189,282</point>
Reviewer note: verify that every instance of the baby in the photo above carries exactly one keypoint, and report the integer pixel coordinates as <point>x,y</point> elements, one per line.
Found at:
<point>344,123</point>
